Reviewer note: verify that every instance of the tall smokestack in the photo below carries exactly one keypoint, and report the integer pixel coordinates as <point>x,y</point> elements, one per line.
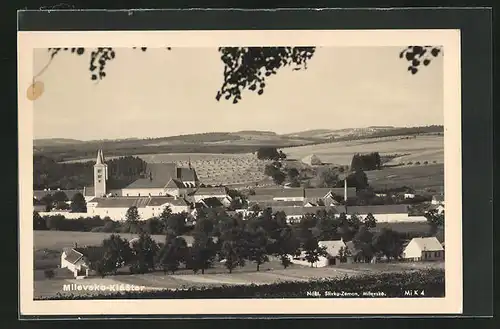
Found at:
<point>345,188</point>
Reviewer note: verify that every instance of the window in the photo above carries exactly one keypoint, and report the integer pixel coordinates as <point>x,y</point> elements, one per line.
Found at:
<point>99,176</point>
<point>98,180</point>
<point>99,171</point>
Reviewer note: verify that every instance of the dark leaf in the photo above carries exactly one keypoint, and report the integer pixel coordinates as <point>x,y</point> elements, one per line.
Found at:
<point>414,70</point>
<point>410,56</point>
<point>80,51</point>
<point>94,77</point>
<point>435,52</point>
<point>415,62</point>
<point>426,62</point>
<point>260,92</point>
<point>112,54</point>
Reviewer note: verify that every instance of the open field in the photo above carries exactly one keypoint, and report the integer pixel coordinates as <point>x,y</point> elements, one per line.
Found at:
<point>57,240</point>
<point>417,177</point>
<point>420,148</point>
<point>272,273</point>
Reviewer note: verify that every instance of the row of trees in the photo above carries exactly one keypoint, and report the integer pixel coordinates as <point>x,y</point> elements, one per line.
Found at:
<point>58,201</point>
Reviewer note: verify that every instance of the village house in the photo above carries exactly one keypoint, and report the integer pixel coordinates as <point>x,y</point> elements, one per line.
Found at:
<point>75,261</point>
<point>294,214</point>
<point>313,195</point>
<point>423,249</point>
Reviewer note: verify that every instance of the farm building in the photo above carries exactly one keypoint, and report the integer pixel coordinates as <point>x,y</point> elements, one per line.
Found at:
<point>303,194</point>
<point>426,249</point>
<point>147,207</point>
<point>210,192</point>
<point>386,213</point>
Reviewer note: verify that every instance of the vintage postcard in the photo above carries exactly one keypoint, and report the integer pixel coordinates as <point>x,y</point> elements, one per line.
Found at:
<point>240,172</point>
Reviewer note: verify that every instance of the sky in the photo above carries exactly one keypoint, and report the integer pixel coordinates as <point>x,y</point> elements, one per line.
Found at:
<point>161,93</point>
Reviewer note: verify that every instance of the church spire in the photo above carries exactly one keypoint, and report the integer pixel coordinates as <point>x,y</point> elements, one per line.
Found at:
<point>99,157</point>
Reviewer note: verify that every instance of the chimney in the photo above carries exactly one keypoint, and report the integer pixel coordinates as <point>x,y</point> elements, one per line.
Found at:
<point>75,245</point>
<point>345,188</point>
<point>150,176</point>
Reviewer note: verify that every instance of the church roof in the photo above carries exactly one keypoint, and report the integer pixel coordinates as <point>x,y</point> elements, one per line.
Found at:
<point>211,191</point>
<point>187,174</point>
<point>158,175</point>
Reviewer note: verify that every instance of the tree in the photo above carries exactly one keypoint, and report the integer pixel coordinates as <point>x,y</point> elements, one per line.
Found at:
<point>388,243</point>
<point>232,255</point>
<point>203,252</point>
<point>176,223</point>
<point>117,252</point>
<point>144,252</point>
<point>279,177</point>
<point>286,245</point>
<point>60,196</point>
<point>132,214</point>
<point>48,201</point>
<point>268,153</point>
<point>362,241</point>
<point>370,221</point>
<point>38,222</point>
<point>417,55</point>
<point>292,173</point>
<point>132,218</point>
<point>328,178</point>
<point>172,253</point>
<point>313,250</point>
<point>435,220</point>
<point>258,247</point>
<point>78,203</point>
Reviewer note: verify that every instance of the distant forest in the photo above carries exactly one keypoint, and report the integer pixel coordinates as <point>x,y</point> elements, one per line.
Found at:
<point>48,173</point>
<point>438,129</point>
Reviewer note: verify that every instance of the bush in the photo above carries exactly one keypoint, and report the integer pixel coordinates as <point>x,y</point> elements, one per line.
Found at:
<point>392,284</point>
<point>49,274</point>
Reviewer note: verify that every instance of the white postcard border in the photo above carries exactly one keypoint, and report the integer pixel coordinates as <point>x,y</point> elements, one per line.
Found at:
<point>449,39</point>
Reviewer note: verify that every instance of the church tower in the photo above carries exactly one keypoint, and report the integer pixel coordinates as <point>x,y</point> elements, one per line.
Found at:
<point>100,175</point>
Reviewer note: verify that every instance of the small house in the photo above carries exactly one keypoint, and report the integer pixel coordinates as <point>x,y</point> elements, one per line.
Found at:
<point>424,249</point>
<point>74,260</point>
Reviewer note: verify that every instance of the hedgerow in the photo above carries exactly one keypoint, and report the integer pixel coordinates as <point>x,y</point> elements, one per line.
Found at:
<point>430,281</point>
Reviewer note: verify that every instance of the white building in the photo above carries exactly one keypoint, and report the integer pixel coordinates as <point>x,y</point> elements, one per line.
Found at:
<point>73,259</point>
<point>333,248</point>
<point>424,249</point>
<point>385,213</point>
<point>147,207</point>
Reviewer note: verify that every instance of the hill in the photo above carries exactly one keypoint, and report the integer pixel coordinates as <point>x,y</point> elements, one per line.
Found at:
<point>47,142</point>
